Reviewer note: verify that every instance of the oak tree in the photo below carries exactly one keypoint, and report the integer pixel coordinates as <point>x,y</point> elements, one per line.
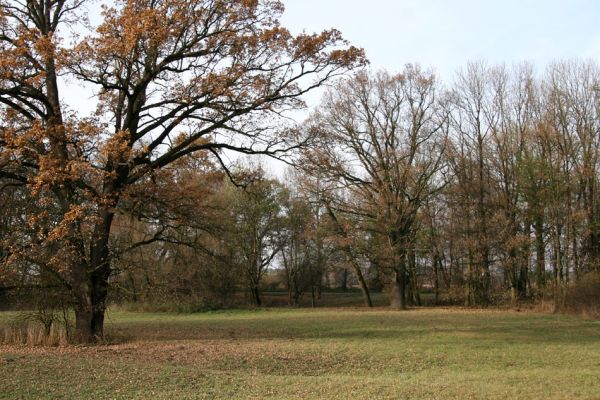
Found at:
<point>170,78</point>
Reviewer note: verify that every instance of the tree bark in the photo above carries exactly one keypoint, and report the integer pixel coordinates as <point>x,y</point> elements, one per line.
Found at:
<point>83,304</point>
<point>398,292</point>
<point>540,255</point>
<point>364,288</point>
<point>436,279</point>
<point>256,296</point>
<point>90,283</point>
<point>345,280</point>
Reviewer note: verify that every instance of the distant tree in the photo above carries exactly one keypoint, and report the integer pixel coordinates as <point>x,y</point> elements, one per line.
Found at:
<point>382,137</point>
<point>166,238</point>
<point>308,251</point>
<point>255,220</point>
<point>574,114</point>
<point>474,121</point>
<point>296,249</point>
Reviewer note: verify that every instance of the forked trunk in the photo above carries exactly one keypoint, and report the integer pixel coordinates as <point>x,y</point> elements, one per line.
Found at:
<point>90,285</point>
<point>89,318</point>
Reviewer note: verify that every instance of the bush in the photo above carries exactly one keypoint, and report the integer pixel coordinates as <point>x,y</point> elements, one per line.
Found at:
<point>583,296</point>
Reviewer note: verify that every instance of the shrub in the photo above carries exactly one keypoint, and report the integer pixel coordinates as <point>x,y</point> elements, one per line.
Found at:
<point>583,296</point>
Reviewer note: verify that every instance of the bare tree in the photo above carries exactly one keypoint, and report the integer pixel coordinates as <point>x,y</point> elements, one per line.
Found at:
<point>382,138</point>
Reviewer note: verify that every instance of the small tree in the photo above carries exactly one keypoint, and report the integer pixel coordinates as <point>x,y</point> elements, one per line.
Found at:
<point>256,217</point>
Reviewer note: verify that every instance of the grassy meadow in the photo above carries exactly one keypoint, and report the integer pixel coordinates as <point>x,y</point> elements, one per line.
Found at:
<point>320,354</point>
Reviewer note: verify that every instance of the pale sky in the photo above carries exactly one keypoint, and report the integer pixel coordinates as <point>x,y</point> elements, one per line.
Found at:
<point>445,34</point>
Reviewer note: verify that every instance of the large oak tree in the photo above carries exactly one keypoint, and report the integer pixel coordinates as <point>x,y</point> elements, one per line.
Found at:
<point>171,78</point>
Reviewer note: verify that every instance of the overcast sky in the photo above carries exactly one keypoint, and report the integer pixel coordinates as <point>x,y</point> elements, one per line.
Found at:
<point>445,34</point>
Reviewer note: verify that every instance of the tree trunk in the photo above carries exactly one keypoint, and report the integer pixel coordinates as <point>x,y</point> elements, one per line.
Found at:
<point>540,255</point>
<point>398,292</point>
<point>256,296</point>
<point>83,305</point>
<point>90,296</point>
<point>414,287</point>
<point>291,297</point>
<point>345,281</point>
<point>83,324</point>
<point>522,281</point>
<point>436,279</point>
<point>470,286</point>
<point>90,284</point>
<point>364,288</point>
<point>556,265</point>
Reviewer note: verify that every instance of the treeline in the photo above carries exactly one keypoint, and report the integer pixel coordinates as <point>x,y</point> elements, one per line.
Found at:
<point>478,193</point>
<point>192,237</point>
<point>483,191</point>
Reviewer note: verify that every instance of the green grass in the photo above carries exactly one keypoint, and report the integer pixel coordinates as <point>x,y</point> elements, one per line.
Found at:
<point>323,353</point>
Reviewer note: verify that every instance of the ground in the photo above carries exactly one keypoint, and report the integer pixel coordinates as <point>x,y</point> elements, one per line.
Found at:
<point>322,353</point>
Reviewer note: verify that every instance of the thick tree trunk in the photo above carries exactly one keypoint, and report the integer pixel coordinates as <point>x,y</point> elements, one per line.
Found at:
<point>398,292</point>
<point>83,304</point>
<point>90,284</point>
<point>89,311</point>
<point>345,281</point>
<point>99,298</point>
<point>83,324</point>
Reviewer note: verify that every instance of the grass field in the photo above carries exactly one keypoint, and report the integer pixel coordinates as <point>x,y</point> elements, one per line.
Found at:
<point>319,354</point>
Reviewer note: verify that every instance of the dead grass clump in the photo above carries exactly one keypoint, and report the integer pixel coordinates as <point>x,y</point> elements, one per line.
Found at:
<point>30,333</point>
<point>43,327</point>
